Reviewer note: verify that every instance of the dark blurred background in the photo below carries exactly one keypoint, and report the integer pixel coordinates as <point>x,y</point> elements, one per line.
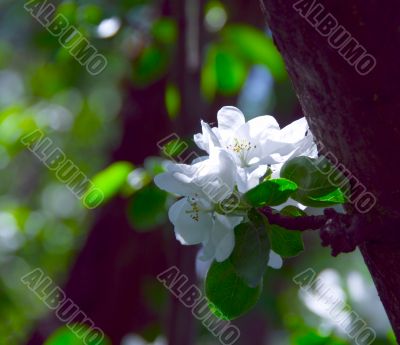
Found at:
<point>170,64</point>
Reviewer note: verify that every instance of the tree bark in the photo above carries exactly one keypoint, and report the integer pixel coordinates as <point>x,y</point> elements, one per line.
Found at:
<point>355,117</point>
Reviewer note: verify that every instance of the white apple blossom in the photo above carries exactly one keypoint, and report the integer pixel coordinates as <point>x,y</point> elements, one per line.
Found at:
<point>240,153</point>
<point>256,145</point>
<point>203,185</point>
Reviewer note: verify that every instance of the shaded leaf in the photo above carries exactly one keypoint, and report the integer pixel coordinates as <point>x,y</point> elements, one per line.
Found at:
<point>150,66</point>
<point>90,13</point>
<point>165,31</point>
<point>286,243</point>
<point>172,101</point>
<point>293,211</point>
<point>228,292</point>
<point>255,46</point>
<point>223,72</point>
<point>230,70</point>
<point>315,187</point>
<point>147,208</point>
<point>251,253</point>
<point>208,74</point>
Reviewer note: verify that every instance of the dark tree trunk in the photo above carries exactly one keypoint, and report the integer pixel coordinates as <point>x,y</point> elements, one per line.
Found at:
<point>355,117</point>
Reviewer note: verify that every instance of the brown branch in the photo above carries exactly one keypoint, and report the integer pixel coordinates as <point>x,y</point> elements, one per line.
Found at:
<point>339,231</point>
<point>297,223</point>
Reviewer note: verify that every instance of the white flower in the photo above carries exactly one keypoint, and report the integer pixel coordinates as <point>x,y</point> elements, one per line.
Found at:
<point>240,153</point>
<point>203,185</point>
<point>275,260</point>
<point>257,144</point>
<point>222,240</point>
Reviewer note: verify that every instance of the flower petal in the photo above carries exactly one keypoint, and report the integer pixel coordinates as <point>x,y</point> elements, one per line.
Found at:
<point>223,237</point>
<point>207,252</point>
<point>215,178</point>
<point>229,119</point>
<point>259,127</point>
<point>306,147</point>
<point>169,182</point>
<point>206,140</point>
<point>203,263</point>
<point>225,247</point>
<point>293,132</point>
<point>254,134</point>
<point>249,177</point>
<point>188,230</point>
<point>293,140</point>
<point>275,261</point>
<point>222,240</point>
<point>290,202</point>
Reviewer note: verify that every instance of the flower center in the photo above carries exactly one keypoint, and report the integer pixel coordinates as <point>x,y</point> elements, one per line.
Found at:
<point>194,212</point>
<point>241,147</point>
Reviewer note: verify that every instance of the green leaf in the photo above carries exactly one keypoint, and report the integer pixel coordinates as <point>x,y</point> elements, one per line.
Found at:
<point>111,180</point>
<point>92,14</point>
<point>64,336</point>
<point>69,10</point>
<point>286,243</point>
<point>292,211</point>
<point>165,31</point>
<point>147,208</point>
<point>151,332</point>
<point>228,293</point>
<point>336,197</point>
<point>255,46</point>
<point>150,66</point>
<point>174,148</point>
<point>315,188</point>
<point>391,337</point>
<point>311,337</point>
<point>271,192</point>
<point>154,165</point>
<point>172,101</point>
<point>230,70</point>
<point>251,253</point>
<point>223,72</point>
<point>208,74</point>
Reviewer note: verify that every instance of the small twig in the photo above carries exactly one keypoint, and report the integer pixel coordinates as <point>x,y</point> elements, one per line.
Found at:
<point>337,230</point>
<point>296,223</point>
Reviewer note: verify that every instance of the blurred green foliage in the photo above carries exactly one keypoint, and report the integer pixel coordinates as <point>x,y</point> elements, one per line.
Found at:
<point>64,336</point>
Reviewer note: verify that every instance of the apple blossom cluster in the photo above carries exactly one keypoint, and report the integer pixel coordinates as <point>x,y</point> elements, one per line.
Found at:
<point>239,156</point>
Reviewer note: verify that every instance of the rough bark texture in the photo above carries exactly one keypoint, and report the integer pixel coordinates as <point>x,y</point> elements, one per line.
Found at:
<point>355,117</point>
